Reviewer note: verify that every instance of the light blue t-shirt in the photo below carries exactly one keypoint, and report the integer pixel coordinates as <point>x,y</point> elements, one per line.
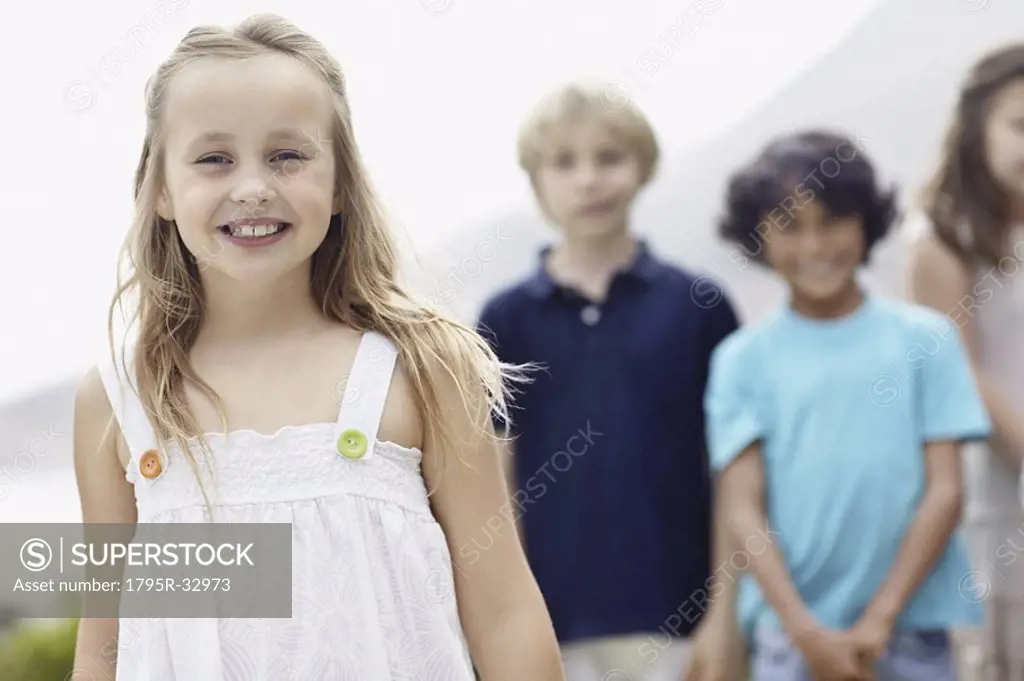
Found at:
<point>843,408</point>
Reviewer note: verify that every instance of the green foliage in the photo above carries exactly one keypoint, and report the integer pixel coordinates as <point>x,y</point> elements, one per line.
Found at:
<point>39,651</point>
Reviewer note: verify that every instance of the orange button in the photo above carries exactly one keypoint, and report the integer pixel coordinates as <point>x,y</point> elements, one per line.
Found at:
<point>149,464</point>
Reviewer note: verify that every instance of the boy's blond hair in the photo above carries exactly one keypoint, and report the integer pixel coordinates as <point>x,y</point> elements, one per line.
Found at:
<point>601,100</point>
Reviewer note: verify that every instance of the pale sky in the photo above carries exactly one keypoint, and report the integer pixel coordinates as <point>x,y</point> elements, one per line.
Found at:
<point>438,88</point>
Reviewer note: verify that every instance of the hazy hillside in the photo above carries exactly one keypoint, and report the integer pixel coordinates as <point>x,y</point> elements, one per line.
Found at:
<point>892,82</point>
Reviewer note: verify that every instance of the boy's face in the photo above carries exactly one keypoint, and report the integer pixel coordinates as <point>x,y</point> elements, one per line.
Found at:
<point>817,254</point>
<point>1004,137</point>
<point>588,179</point>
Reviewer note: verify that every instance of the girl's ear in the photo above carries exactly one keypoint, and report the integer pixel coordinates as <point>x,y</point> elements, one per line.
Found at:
<point>339,203</point>
<point>163,206</point>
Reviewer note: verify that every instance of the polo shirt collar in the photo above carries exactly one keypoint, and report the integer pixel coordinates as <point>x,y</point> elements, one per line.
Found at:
<point>644,268</point>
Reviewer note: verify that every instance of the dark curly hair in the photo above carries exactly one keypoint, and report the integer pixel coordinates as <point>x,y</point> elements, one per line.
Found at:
<point>794,170</point>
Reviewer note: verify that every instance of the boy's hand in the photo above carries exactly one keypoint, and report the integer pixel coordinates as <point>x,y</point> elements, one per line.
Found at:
<point>719,652</point>
<point>834,656</point>
<point>872,635</point>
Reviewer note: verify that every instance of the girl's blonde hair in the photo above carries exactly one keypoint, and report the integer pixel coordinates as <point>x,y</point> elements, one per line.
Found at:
<point>353,274</point>
<point>964,202</point>
<point>604,101</point>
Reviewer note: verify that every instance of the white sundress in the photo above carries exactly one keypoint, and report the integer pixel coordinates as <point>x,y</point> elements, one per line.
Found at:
<point>372,591</point>
<point>994,517</point>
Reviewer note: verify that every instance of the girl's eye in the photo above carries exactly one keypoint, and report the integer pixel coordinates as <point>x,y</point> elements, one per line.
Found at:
<point>289,156</point>
<point>214,158</point>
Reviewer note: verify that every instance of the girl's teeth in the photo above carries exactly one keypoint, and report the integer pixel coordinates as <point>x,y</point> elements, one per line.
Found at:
<point>255,231</point>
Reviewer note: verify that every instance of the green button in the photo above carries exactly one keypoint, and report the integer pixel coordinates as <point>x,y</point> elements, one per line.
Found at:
<point>352,444</point>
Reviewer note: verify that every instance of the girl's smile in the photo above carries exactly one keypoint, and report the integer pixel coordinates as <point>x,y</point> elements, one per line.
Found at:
<point>255,233</point>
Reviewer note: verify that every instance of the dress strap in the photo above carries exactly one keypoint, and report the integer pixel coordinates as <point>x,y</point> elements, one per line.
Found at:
<point>119,384</point>
<point>366,391</point>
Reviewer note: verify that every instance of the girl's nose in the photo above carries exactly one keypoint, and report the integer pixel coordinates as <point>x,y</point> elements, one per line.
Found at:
<point>253,191</point>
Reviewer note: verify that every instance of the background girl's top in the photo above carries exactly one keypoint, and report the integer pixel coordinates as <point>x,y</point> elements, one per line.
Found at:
<point>843,409</point>
<point>994,519</point>
<point>998,314</point>
<point>373,595</point>
<point>993,514</point>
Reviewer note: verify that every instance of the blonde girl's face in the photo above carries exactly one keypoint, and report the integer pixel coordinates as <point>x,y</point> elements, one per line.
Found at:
<point>249,168</point>
<point>1004,138</point>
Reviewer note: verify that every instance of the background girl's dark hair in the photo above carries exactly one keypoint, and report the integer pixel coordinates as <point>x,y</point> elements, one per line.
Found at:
<point>966,205</point>
<point>793,170</point>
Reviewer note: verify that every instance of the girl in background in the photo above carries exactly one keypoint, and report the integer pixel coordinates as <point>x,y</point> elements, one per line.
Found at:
<point>966,262</point>
<point>267,295</point>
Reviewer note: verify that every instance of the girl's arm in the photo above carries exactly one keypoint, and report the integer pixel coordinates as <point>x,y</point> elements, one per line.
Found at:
<point>742,489</point>
<point>106,497</point>
<point>506,622</point>
<point>928,534</point>
<point>506,452</point>
<point>939,280</point>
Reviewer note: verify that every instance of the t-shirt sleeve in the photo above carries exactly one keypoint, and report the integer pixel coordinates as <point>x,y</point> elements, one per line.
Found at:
<point>734,421</point>
<point>952,407</point>
<point>491,326</point>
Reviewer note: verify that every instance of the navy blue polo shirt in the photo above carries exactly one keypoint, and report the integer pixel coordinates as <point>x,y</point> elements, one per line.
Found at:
<point>611,467</point>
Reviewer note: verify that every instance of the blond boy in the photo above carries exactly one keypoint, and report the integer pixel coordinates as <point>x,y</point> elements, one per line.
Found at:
<point>610,475</point>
